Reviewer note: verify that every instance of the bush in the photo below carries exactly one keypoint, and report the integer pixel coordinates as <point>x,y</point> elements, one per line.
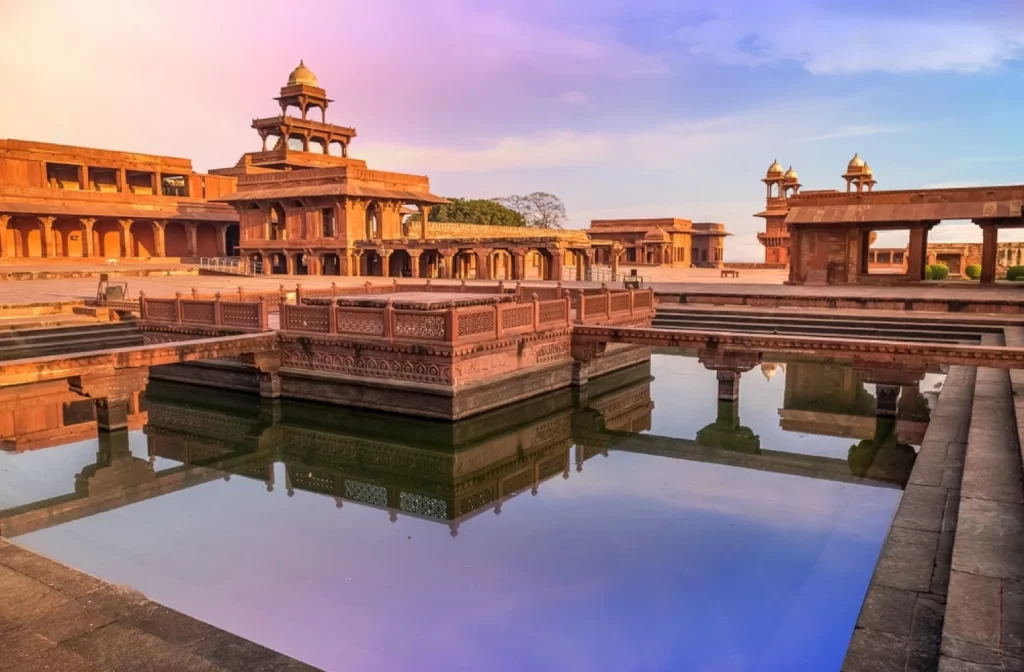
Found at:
<point>973,271</point>
<point>1015,273</point>
<point>938,272</point>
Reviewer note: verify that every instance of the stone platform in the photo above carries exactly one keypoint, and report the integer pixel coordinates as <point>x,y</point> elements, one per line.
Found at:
<point>54,618</point>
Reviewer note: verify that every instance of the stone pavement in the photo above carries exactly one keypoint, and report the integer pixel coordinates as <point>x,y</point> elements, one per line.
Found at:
<point>900,623</point>
<point>54,618</point>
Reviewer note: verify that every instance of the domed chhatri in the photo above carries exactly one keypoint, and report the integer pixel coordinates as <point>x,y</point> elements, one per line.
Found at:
<point>302,75</point>
<point>775,170</point>
<point>791,176</point>
<point>856,164</point>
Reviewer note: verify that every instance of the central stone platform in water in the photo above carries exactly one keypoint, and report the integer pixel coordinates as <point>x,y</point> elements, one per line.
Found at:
<point>422,300</point>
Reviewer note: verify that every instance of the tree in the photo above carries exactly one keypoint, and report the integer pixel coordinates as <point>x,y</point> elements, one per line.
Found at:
<point>474,211</point>
<point>540,209</point>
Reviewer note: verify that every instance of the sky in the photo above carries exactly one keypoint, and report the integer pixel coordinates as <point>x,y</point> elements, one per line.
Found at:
<point>623,108</point>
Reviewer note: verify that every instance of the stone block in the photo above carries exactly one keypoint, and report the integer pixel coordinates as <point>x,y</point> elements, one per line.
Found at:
<point>1013,618</point>
<point>120,648</point>
<point>72,583</point>
<point>23,598</point>
<point>973,612</point>
<point>888,610</point>
<point>926,635</point>
<point>875,652</point>
<point>990,539</point>
<point>922,508</point>
<point>907,559</point>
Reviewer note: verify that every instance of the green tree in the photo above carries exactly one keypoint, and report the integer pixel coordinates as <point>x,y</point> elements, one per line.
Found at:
<point>474,211</point>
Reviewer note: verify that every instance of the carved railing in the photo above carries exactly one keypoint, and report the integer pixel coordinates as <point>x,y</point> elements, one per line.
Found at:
<point>240,315</point>
<point>452,325</point>
<point>609,306</point>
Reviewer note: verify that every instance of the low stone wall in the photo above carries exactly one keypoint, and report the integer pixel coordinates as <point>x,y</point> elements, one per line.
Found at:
<point>979,305</point>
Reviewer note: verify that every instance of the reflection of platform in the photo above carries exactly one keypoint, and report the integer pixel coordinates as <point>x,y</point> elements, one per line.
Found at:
<point>850,426</point>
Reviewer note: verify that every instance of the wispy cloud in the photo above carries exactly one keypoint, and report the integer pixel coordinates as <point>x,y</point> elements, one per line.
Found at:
<point>826,38</point>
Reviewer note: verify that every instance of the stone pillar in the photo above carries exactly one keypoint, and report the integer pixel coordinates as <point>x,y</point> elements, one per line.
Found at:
<point>49,244</point>
<point>483,269</point>
<point>126,238</point>
<point>518,265</point>
<point>355,267</point>
<point>160,236</point>
<point>917,252</point>
<point>989,247</point>
<point>192,230</point>
<point>424,216</point>
<point>580,373</point>
<point>4,252</point>
<point>289,261</point>
<point>728,385</point>
<point>83,178</point>
<point>266,264</point>
<point>222,240</point>
<point>385,262</point>
<point>445,269</point>
<point>87,224</point>
<point>887,398</point>
<point>557,264</point>
<point>414,262</point>
<point>112,413</point>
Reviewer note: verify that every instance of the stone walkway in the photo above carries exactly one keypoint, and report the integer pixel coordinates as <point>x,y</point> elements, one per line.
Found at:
<point>54,618</point>
<point>900,623</point>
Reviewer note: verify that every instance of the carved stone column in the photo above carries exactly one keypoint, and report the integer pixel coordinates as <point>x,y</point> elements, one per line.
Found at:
<point>87,246</point>
<point>222,240</point>
<point>989,247</point>
<point>160,236</point>
<point>385,262</point>
<point>192,233</point>
<point>4,252</point>
<point>482,263</point>
<point>424,216</point>
<point>414,258</point>
<point>126,238</point>
<point>49,244</point>
<point>289,260</point>
<point>446,269</point>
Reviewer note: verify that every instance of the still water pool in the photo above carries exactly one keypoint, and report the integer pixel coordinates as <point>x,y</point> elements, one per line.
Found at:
<point>640,526</point>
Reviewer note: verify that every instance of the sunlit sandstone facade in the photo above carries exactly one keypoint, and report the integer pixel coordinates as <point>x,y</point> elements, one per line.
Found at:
<point>825,236</point>
<point>306,210</point>
<point>667,241</point>
<point>58,201</point>
<point>955,256</point>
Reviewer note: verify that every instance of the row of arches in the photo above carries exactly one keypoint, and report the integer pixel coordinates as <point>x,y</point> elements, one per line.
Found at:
<point>25,237</point>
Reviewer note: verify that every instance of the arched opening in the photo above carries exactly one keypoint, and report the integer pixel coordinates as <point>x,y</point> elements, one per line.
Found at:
<point>400,264</point>
<point>372,222</point>
<point>28,236</point>
<point>206,240</point>
<point>336,148</point>
<point>331,264</point>
<point>319,108</point>
<point>69,238</point>
<point>106,239</point>
<point>317,146</point>
<point>296,143</point>
<point>538,265</point>
<point>276,229</point>
<point>232,238</point>
<point>501,265</point>
<point>773,190</point>
<point>273,142</point>
<point>300,264</point>
<point>175,240</point>
<point>256,262</point>
<point>430,264</point>
<point>143,240</point>
<point>372,264</point>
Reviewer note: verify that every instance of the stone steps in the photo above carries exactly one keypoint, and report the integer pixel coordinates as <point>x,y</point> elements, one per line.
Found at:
<point>824,325</point>
<point>25,343</point>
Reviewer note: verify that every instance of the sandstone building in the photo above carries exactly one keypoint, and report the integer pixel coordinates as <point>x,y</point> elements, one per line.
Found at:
<point>659,242</point>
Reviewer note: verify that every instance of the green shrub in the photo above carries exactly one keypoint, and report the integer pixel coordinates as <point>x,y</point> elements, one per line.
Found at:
<point>939,272</point>
<point>1015,273</point>
<point>927,272</point>
<point>973,271</point>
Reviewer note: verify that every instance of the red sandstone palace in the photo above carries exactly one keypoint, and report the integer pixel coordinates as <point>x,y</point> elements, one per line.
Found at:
<point>825,236</point>
<point>299,205</point>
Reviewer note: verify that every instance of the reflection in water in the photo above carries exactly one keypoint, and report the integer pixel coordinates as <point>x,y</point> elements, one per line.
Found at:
<point>635,537</point>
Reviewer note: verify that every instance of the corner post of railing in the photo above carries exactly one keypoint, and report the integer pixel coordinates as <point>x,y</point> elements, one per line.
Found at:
<point>177,307</point>
<point>367,286</point>
<point>451,334</point>
<point>389,321</point>
<point>519,291</point>
<point>395,284</point>
<point>142,305</point>
<point>281,294</point>
<point>298,294</point>
<point>581,310</point>
<point>650,299</point>
<point>536,311</point>
<point>334,292</point>
<point>195,293</point>
<point>497,317</point>
<point>332,317</point>
<point>607,303</point>
<point>462,287</point>
<point>241,293</point>
<point>282,315</point>
<point>428,289</point>
<point>217,318</point>
<point>568,308</point>
<point>264,313</point>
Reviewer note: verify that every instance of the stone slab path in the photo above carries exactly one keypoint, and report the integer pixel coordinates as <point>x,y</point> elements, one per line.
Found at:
<point>54,618</point>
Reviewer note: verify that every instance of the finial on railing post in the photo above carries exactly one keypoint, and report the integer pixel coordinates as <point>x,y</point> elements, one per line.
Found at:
<point>195,293</point>
<point>298,294</point>
<point>367,286</point>
<point>519,291</point>
<point>177,307</point>
<point>142,305</point>
<point>334,291</point>
<point>241,293</point>
<point>581,311</point>
<point>389,320</point>
<point>282,295</point>
<point>536,310</point>
<point>264,313</point>
<point>497,316</point>
<point>217,319</point>
<point>462,286</point>
<point>501,287</point>
<point>428,285</point>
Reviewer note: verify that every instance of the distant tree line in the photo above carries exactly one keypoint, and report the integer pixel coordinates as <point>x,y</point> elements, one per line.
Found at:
<point>538,210</point>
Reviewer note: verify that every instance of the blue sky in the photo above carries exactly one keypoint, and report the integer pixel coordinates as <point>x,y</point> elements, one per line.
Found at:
<point>657,108</point>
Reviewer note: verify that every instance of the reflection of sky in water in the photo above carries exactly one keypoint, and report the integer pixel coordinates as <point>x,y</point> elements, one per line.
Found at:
<point>637,563</point>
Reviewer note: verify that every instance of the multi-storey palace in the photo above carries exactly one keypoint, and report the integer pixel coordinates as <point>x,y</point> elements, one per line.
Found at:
<point>299,205</point>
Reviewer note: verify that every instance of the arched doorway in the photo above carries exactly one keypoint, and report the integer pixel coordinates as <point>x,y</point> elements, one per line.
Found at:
<point>69,239</point>
<point>232,237</point>
<point>331,264</point>
<point>175,240</point>
<point>256,262</point>
<point>28,236</point>
<point>278,264</point>
<point>400,264</point>
<point>372,263</point>
<point>372,221</point>
<point>538,265</point>
<point>106,239</point>
<point>501,265</point>
<point>429,261</point>
<point>206,240</point>
<point>143,240</point>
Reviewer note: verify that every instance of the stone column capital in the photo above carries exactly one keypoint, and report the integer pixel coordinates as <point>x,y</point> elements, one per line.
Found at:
<point>87,221</point>
<point>160,223</point>
<point>4,219</point>
<point>125,223</point>
<point>47,220</point>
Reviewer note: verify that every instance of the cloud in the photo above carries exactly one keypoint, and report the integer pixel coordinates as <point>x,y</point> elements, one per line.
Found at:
<point>828,40</point>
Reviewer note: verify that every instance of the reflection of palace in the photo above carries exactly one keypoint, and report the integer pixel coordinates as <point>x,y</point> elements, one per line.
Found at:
<point>450,472</point>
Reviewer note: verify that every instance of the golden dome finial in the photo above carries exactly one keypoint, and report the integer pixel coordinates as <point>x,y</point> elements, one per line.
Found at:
<point>856,163</point>
<point>791,175</point>
<point>302,75</point>
<point>775,170</point>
